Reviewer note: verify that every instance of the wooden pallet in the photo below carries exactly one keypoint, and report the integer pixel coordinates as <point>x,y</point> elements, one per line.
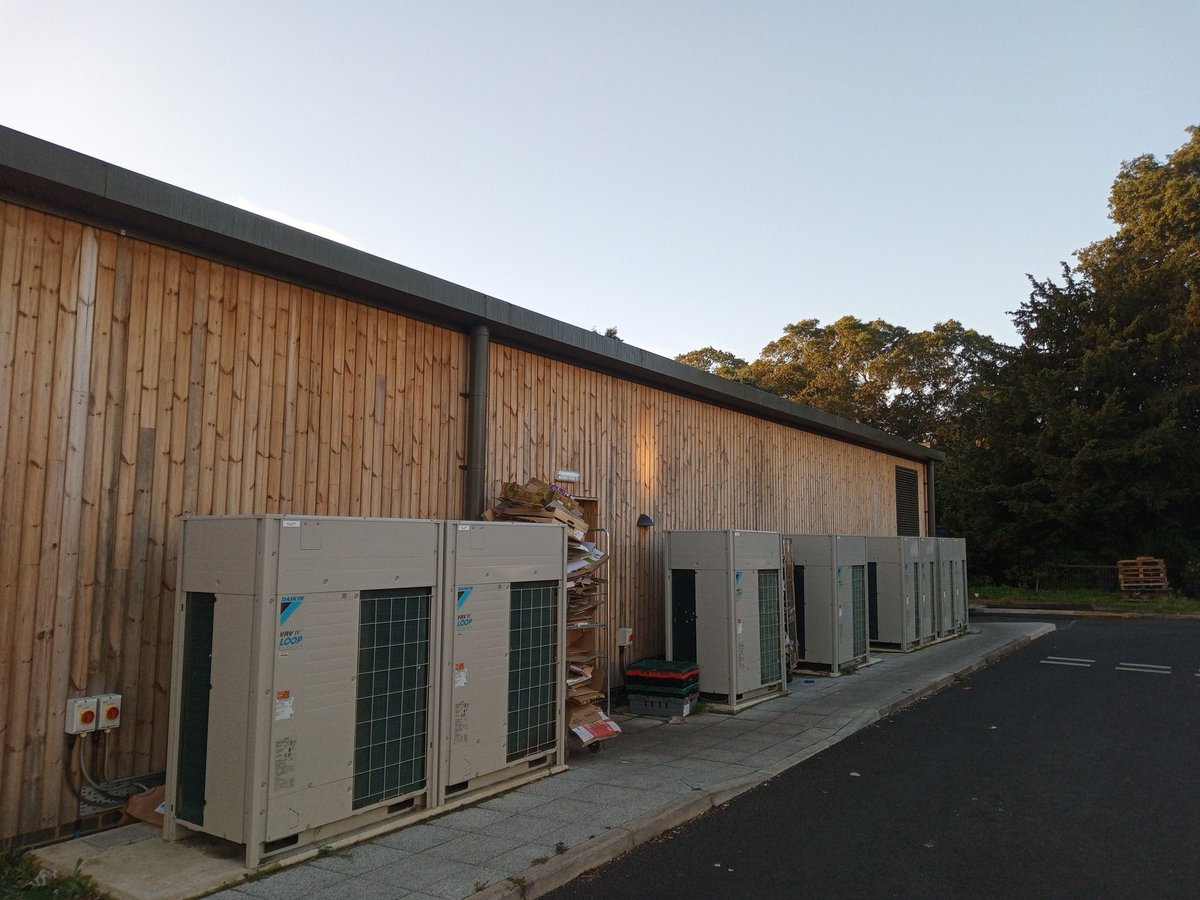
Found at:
<point>1143,577</point>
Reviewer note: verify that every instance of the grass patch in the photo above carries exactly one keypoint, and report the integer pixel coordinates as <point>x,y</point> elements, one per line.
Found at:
<point>1028,598</point>
<point>20,876</point>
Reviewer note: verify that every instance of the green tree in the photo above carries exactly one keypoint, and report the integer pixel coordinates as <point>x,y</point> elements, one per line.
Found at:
<point>845,368</point>
<point>907,383</point>
<point>1087,450</point>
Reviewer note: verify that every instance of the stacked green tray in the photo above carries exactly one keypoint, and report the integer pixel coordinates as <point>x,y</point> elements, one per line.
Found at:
<point>662,673</point>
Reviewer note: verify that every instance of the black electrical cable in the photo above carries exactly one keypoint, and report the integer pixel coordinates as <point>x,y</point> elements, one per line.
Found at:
<point>68,775</point>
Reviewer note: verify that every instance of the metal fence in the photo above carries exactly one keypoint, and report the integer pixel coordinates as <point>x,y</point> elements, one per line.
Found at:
<point>1074,578</point>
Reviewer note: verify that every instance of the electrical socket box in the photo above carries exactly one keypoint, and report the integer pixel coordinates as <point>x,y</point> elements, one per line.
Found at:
<point>81,715</point>
<point>109,713</point>
<point>624,637</point>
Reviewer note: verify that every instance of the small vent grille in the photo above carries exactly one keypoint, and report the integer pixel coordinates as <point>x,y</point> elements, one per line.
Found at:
<point>532,681</point>
<point>858,593</point>
<point>768,626</point>
<point>908,506</point>
<point>393,695</point>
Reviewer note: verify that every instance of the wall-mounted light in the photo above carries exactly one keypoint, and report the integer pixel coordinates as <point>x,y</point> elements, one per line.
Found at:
<point>644,521</point>
<point>568,475</point>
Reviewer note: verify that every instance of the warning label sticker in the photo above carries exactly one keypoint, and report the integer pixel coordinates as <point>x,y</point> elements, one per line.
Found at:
<point>285,764</point>
<point>460,722</point>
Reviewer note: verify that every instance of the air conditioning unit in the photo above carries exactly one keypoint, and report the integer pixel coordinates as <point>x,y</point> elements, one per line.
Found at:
<point>892,594</point>
<point>302,697</point>
<point>831,600</point>
<point>724,610</point>
<point>929,615</point>
<point>503,679</point>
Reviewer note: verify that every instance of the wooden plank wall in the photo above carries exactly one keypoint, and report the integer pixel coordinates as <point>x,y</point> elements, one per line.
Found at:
<point>138,384</point>
<point>684,463</point>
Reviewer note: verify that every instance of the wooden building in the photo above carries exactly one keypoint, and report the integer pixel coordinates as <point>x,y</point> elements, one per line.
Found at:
<point>164,354</point>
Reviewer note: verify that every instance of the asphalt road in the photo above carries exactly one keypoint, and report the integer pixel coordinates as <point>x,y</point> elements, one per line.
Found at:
<point>1069,769</point>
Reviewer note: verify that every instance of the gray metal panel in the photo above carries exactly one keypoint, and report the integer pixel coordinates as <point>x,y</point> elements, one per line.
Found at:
<point>475,687</point>
<point>699,550</point>
<point>715,627</point>
<point>747,649</point>
<point>756,550</point>
<point>311,764</point>
<point>944,586</point>
<point>222,555</point>
<point>493,552</point>
<point>850,551</point>
<point>231,699</point>
<point>927,587</point>
<point>326,553</point>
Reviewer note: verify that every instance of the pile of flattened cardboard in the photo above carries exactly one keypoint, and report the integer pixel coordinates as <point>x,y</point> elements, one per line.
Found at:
<point>537,501</point>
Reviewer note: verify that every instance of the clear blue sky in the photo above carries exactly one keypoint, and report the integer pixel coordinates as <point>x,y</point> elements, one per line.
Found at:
<point>693,173</point>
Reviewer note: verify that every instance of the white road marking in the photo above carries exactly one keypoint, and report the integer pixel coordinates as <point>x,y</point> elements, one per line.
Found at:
<point>1071,659</point>
<point>1147,666</point>
<point>1143,671</point>
<point>1064,662</point>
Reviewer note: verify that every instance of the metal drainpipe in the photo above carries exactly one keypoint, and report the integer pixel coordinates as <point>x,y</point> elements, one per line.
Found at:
<point>931,499</point>
<point>477,396</point>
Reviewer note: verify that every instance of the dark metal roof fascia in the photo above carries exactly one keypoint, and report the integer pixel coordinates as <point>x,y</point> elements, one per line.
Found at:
<point>55,177</point>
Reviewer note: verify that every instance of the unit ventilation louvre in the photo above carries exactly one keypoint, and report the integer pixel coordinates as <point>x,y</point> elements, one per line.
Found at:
<point>391,722</point>
<point>858,587</point>
<point>532,672</point>
<point>908,506</point>
<point>769,627</point>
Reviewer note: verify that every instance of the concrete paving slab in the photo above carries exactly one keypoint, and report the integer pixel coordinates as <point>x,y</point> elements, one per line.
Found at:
<point>651,779</point>
<point>355,861</point>
<point>297,881</point>
<point>417,872</point>
<point>477,848</point>
<point>419,837</point>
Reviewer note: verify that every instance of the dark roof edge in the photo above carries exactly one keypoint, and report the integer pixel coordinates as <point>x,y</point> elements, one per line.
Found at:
<point>57,178</point>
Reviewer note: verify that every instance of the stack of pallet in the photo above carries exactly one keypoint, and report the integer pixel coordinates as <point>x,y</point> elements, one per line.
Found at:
<point>538,501</point>
<point>1143,577</point>
<point>660,687</point>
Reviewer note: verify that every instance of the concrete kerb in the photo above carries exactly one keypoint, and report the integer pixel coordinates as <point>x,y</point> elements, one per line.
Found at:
<point>539,880</point>
<point>1077,613</point>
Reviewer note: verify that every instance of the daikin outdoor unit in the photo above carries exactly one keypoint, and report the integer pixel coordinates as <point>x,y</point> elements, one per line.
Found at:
<point>831,600</point>
<point>301,695</point>
<point>892,595</point>
<point>927,621</point>
<point>504,670</point>
<point>724,610</point>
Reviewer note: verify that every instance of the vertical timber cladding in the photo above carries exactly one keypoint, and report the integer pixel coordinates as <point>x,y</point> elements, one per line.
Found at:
<point>687,464</point>
<point>139,383</point>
